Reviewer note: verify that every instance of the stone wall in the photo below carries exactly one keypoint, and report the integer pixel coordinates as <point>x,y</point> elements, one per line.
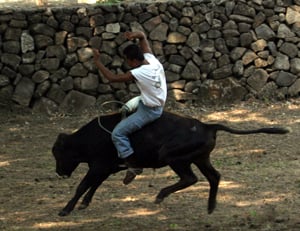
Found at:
<point>213,51</point>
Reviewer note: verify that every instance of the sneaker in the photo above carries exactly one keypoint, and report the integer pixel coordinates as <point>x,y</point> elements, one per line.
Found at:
<point>131,174</point>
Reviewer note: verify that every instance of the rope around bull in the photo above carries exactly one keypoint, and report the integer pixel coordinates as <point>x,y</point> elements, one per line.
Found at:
<point>109,132</point>
<point>102,107</point>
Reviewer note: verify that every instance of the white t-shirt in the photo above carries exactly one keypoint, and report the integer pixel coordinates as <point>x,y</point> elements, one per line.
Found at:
<point>151,80</point>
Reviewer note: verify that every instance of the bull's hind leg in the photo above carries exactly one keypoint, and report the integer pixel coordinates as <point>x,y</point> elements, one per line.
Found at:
<point>213,177</point>
<point>187,178</point>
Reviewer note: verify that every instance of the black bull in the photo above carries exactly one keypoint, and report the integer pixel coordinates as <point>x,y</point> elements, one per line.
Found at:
<point>171,140</point>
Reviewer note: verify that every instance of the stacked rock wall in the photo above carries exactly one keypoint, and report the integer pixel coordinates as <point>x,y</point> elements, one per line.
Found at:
<point>213,51</point>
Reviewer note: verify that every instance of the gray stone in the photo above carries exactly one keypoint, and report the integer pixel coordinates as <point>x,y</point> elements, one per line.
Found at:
<point>237,53</point>
<point>238,68</point>
<point>13,34</point>
<point>76,101</point>
<point>172,76</point>
<point>45,105</point>
<point>6,94</point>
<point>284,32</point>
<point>222,72</point>
<point>40,76</point>
<point>59,74</point>
<point>294,89</point>
<point>241,18</point>
<point>90,82</point>
<point>289,49</point>
<point>272,47</point>
<point>285,79</point>
<point>27,42</point>
<point>188,12</point>
<point>24,92</point>
<point>50,64</point>
<point>281,62</point>
<point>259,18</point>
<point>76,42</point>
<point>56,93</point>
<point>28,57</point>
<point>258,79</point>
<point>107,47</point>
<point>221,46</point>
<point>11,60</point>
<point>191,86</point>
<point>67,83</point>
<point>193,41</point>
<point>191,71</point>
<point>42,41</point>
<point>43,29</point>
<point>4,81</point>
<point>207,45</point>
<point>42,88</point>
<point>78,70</point>
<point>108,36</point>
<point>268,92</point>
<point>177,59</point>
<point>71,60</point>
<point>9,72</point>
<point>264,32</point>
<point>104,88</point>
<point>159,33</point>
<point>60,37</point>
<point>18,23</point>
<point>246,39</point>
<point>113,28</point>
<point>244,9</point>
<point>295,65</point>
<point>220,92</point>
<point>12,47</point>
<point>26,69</point>
<point>85,32</point>
<point>175,68</point>
<point>56,51</point>
<point>67,26</point>
<point>97,20</point>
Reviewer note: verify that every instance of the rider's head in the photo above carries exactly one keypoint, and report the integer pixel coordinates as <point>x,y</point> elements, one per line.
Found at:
<point>134,55</point>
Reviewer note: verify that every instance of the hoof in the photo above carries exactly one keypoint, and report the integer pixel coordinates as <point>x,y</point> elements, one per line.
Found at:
<point>210,210</point>
<point>158,200</point>
<point>63,213</point>
<point>82,206</point>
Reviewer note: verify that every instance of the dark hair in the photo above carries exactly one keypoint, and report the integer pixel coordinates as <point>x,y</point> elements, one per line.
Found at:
<point>133,51</point>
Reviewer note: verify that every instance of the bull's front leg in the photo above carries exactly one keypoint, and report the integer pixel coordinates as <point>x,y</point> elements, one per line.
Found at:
<point>81,189</point>
<point>91,181</point>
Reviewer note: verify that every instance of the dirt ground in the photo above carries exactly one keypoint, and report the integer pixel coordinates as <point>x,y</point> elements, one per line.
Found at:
<point>259,189</point>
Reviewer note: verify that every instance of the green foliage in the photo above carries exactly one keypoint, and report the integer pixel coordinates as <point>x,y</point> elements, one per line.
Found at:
<point>108,1</point>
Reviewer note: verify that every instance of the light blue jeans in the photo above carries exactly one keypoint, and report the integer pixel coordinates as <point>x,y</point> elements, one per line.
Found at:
<point>132,123</point>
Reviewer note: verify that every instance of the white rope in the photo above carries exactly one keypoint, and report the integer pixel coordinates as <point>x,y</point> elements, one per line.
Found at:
<point>124,106</point>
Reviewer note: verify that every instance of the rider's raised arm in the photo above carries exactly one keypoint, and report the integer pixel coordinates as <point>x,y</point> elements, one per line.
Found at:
<point>143,42</point>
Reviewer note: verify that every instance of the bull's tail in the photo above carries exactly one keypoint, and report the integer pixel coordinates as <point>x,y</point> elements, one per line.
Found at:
<point>270,130</point>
